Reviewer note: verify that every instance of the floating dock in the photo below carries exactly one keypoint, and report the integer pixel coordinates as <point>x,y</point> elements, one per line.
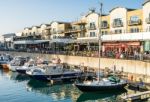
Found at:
<point>138,97</point>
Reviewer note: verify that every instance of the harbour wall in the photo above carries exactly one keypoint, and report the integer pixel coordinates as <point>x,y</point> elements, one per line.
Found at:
<point>139,68</point>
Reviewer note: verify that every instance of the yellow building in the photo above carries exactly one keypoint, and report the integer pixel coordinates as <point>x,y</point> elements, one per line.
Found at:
<point>105,24</point>
<point>135,21</point>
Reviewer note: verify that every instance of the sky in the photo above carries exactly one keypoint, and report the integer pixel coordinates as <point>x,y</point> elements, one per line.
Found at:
<point>15,15</point>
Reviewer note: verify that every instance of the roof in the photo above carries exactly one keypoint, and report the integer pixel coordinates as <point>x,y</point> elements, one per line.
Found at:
<point>28,28</point>
<point>9,35</point>
<point>45,24</point>
<point>91,13</point>
<point>36,26</point>
<point>60,22</point>
<point>128,9</point>
<point>146,1</point>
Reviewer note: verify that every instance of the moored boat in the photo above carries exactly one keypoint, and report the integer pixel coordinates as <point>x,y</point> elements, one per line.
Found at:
<point>25,67</point>
<point>4,60</point>
<point>17,62</point>
<point>54,72</point>
<point>104,85</point>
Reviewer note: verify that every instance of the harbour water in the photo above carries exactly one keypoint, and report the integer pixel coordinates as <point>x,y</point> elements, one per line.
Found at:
<point>15,87</point>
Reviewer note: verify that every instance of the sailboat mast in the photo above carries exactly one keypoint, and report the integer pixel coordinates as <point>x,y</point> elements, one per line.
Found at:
<point>99,39</point>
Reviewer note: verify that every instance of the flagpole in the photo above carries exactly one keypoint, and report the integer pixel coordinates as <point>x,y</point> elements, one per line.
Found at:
<point>99,39</point>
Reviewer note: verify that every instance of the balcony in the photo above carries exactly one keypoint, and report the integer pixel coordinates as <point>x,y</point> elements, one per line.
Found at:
<point>91,27</point>
<point>148,20</point>
<point>75,30</point>
<point>80,22</point>
<point>132,23</point>
<point>117,24</point>
<point>104,26</point>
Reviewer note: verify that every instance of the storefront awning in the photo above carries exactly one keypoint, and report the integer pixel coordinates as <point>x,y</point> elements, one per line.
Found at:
<point>86,41</point>
<point>30,42</point>
<point>61,40</point>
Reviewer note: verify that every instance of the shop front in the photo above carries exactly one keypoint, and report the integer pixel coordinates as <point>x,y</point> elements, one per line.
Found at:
<point>113,48</point>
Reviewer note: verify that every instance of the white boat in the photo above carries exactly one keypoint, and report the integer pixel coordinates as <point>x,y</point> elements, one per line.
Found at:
<point>17,62</point>
<point>54,72</point>
<point>4,60</point>
<point>27,66</point>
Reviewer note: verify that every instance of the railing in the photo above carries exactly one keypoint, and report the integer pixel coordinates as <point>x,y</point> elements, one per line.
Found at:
<point>114,25</point>
<point>91,27</point>
<point>140,56</point>
<point>131,22</point>
<point>105,26</point>
<point>77,29</point>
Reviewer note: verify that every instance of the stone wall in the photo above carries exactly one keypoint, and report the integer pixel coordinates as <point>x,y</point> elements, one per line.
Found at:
<point>130,66</point>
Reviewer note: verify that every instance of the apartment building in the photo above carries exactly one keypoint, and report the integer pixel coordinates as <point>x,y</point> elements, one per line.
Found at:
<point>129,30</point>
<point>35,37</point>
<point>122,30</point>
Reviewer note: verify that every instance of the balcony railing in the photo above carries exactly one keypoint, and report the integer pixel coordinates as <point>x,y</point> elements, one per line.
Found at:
<point>104,26</point>
<point>131,22</point>
<point>148,20</point>
<point>91,27</point>
<point>114,24</point>
<point>76,29</point>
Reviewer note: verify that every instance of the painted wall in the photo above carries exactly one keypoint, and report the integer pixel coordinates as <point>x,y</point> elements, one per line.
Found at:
<point>106,18</point>
<point>118,12</point>
<point>138,13</point>
<point>92,17</point>
<point>146,12</point>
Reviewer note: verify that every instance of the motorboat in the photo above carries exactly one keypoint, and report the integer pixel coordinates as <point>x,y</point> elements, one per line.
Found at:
<point>104,85</point>
<point>4,60</point>
<point>17,62</point>
<point>26,67</point>
<point>54,72</point>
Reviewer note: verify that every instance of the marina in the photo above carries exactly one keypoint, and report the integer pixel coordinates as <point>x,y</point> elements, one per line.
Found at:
<point>104,89</point>
<point>16,87</point>
<point>102,56</point>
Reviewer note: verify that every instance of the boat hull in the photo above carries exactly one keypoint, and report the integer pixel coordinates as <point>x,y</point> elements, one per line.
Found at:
<point>62,77</point>
<point>5,66</point>
<point>13,68</point>
<point>96,88</point>
<point>21,71</point>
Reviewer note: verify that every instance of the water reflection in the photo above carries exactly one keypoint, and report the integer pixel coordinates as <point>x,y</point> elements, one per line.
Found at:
<point>14,76</point>
<point>60,92</point>
<point>100,96</point>
<point>57,92</point>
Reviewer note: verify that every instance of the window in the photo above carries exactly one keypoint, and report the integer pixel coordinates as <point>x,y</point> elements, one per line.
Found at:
<point>134,18</point>
<point>104,32</point>
<point>33,33</point>
<point>118,22</point>
<point>134,30</point>
<point>118,31</point>
<point>92,24</point>
<point>104,24</point>
<point>92,34</point>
